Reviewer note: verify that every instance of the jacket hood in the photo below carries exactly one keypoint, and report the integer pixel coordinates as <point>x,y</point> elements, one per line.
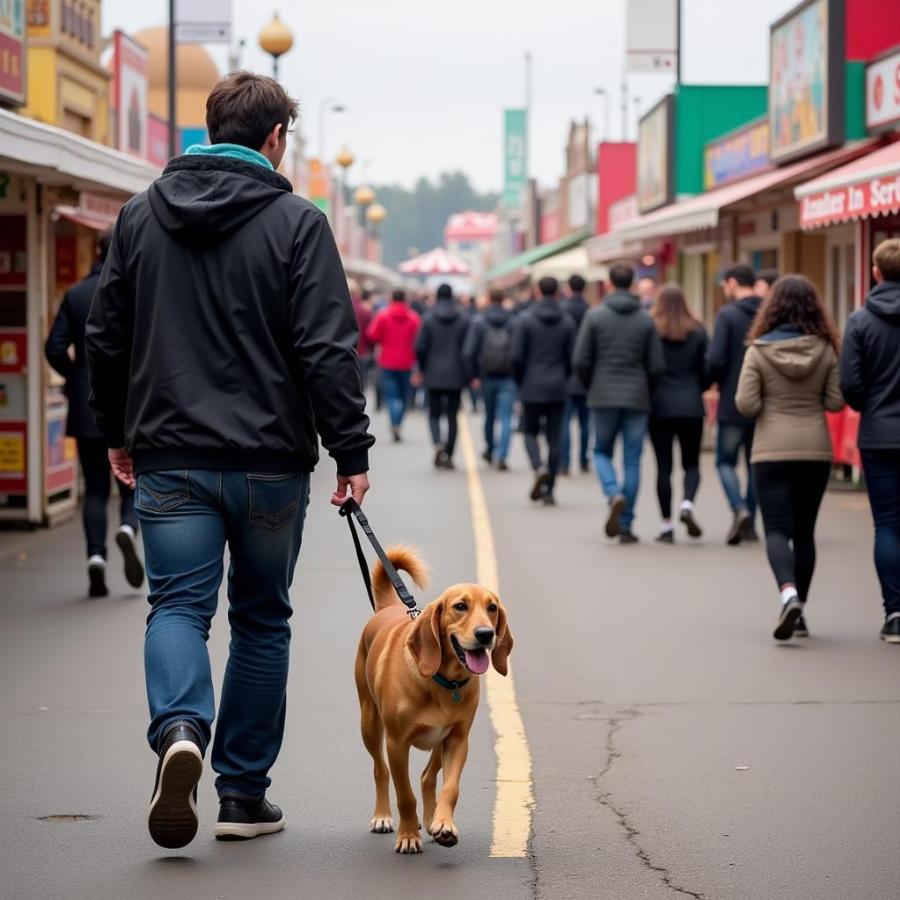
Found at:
<point>884,300</point>
<point>547,310</point>
<point>496,316</point>
<point>748,305</point>
<point>794,355</point>
<point>445,310</point>
<point>200,199</point>
<point>622,302</point>
<point>398,310</point>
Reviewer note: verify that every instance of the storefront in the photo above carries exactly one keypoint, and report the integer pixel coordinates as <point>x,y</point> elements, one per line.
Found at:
<point>56,191</point>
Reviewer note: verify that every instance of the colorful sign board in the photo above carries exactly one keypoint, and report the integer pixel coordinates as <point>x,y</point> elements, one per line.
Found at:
<point>515,157</point>
<point>12,52</point>
<point>883,92</point>
<point>806,80</point>
<point>130,94</point>
<point>736,155</point>
<point>862,199</point>
<point>656,156</point>
<point>651,35</point>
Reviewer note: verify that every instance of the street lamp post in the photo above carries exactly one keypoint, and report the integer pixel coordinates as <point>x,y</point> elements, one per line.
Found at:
<point>276,39</point>
<point>375,216</point>
<point>604,95</point>
<point>329,104</point>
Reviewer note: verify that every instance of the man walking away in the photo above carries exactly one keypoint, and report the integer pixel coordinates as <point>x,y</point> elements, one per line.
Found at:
<point>870,380</point>
<point>488,358</point>
<point>68,331</point>
<point>395,329</point>
<point>363,321</point>
<point>221,339</point>
<point>619,357</point>
<point>576,402</point>
<point>440,352</point>
<point>542,364</point>
<point>735,432</point>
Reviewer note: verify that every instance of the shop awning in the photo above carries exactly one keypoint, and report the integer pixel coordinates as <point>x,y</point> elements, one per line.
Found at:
<point>702,211</point>
<point>72,214</point>
<point>570,262</point>
<point>56,156</point>
<point>869,186</point>
<point>518,265</point>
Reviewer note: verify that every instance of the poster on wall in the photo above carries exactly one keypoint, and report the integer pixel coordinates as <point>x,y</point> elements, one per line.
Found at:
<point>130,89</point>
<point>12,52</point>
<point>655,169</point>
<point>806,80</point>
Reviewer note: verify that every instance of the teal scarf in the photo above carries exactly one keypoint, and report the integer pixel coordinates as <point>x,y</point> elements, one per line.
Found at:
<point>233,151</point>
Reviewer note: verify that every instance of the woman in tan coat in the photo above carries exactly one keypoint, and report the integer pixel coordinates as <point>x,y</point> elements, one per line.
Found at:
<point>788,380</point>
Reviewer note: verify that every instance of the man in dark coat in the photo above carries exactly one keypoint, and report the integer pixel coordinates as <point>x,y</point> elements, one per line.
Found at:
<point>222,347</point>
<point>619,357</point>
<point>735,432</point>
<point>439,349</point>
<point>870,380</point>
<point>68,331</point>
<point>542,364</point>
<point>576,403</point>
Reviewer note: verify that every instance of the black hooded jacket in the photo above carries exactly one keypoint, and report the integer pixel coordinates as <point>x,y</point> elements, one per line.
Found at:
<point>222,335</point>
<point>439,347</point>
<point>726,355</point>
<point>577,307</point>
<point>543,339</point>
<point>495,316</point>
<point>870,367</point>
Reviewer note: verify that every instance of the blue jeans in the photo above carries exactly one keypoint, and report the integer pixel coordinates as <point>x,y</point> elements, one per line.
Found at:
<point>499,398</point>
<point>395,390</point>
<point>575,405</point>
<point>187,518</point>
<point>729,441</point>
<point>882,468</point>
<point>608,424</point>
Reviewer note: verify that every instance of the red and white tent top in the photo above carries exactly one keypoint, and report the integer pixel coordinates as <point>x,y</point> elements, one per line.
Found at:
<point>435,262</point>
<point>471,226</point>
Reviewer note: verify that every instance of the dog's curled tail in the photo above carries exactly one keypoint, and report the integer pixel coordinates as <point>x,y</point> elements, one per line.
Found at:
<point>404,559</point>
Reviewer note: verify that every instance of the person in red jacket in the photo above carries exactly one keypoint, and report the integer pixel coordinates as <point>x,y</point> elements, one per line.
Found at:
<point>395,330</point>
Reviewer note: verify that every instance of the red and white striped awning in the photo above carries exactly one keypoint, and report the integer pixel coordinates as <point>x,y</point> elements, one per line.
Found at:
<point>435,262</point>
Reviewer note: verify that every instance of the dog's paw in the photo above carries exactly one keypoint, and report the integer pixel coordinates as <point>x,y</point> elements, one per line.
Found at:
<point>444,832</point>
<point>408,843</point>
<point>381,825</point>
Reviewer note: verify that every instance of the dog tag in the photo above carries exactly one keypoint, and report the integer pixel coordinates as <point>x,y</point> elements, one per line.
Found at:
<point>456,696</point>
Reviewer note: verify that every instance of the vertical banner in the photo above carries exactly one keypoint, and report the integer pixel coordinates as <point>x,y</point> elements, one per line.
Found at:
<point>130,90</point>
<point>12,51</point>
<point>515,157</point>
<point>319,186</point>
<point>651,36</point>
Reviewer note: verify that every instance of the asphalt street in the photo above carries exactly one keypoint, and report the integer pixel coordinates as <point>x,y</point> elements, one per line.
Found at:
<point>677,751</point>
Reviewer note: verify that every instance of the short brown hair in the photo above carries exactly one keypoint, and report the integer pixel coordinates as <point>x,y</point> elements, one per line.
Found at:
<point>243,108</point>
<point>794,301</point>
<point>887,258</point>
<point>674,321</point>
<point>496,296</point>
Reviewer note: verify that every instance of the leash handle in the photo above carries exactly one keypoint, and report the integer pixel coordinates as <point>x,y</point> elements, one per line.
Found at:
<point>350,510</point>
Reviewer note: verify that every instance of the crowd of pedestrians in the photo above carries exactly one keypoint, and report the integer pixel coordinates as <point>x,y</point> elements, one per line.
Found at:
<point>640,364</point>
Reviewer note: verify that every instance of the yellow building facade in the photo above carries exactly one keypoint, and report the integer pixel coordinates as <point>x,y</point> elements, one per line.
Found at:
<point>67,85</point>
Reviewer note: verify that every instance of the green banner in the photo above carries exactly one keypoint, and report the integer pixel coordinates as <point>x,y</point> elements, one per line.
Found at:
<point>515,157</point>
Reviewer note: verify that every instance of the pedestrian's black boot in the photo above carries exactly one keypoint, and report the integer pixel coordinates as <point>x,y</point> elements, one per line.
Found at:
<point>502,466</point>
<point>787,621</point>
<point>736,532</point>
<point>613,520</point>
<point>891,630</point>
<point>748,532</point>
<point>488,456</point>
<point>134,569</point>
<point>395,434</point>
<point>173,810</point>
<point>800,629</point>
<point>665,537</point>
<point>541,485</point>
<point>97,579</point>
<point>627,536</point>
<point>440,458</point>
<point>240,820</point>
<point>689,522</point>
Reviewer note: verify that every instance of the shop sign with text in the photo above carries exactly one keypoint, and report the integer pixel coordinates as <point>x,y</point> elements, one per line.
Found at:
<point>854,201</point>
<point>736,155</point>
<point>883,92</point>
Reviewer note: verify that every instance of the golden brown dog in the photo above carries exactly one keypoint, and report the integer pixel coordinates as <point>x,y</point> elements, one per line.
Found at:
<point>418,687</point>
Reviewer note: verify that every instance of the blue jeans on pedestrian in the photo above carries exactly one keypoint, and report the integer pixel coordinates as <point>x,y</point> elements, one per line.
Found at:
<point>576,405</point>
<point>188,518</point>
<point>499,399</point>
<point>882,468</point>
<point>395,389</point>
<point>632,425</point>
<point>729,442</point>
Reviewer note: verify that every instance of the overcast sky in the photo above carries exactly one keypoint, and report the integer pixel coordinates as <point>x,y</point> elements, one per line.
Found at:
<point>425,81</point>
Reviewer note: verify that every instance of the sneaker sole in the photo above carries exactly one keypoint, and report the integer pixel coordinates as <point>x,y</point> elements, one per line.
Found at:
<point>134,569</point>
<point>689,522</point>
<point>613,521</point>
<point>891,638</point>
<point>172,820</point>
<point>241,831</point>
<point>97,582</point>
<point>784,631</point>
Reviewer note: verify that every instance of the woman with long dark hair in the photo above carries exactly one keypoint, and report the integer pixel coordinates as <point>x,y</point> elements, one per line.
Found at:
<point>788,381</point>
<point>677,406</point>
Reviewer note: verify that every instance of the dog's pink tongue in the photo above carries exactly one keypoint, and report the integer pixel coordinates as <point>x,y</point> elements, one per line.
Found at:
<point>477,661</point>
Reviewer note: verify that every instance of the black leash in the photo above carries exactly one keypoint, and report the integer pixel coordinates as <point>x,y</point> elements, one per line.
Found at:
<point>351,510</point>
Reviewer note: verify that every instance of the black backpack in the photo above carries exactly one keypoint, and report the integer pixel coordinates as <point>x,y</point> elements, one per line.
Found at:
<point>496,351</point>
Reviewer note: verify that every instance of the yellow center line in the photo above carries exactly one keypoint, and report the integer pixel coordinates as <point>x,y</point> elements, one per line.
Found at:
<point>515,794</point>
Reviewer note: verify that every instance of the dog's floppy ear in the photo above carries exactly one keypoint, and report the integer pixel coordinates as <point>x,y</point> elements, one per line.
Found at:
<point>424,640</point>
<point>504,644</point>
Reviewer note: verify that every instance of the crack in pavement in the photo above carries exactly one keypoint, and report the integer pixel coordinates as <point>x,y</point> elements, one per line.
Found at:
<point>632,833</point>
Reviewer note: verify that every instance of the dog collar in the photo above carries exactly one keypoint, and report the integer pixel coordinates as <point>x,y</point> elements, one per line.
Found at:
<point>454,686</point>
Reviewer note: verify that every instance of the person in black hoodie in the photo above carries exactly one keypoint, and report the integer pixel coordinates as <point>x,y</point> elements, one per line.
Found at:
<point>870,381</point>
<point>488,358</point>
<point>221,339</point>
<point>677,406</point>
<point>576,403</point>
<point>542,364</point>
<point>735,432</point>
<point>439,349</point>
<point>68,331</point>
